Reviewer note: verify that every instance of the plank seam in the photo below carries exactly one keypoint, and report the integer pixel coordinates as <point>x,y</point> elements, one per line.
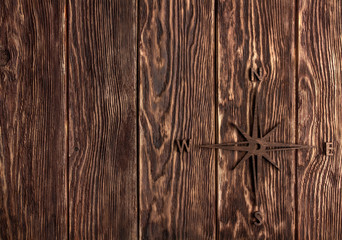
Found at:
<point>67,64</point>
<point>137,116</point>
<point>296,114</point>
<point>216,116</point>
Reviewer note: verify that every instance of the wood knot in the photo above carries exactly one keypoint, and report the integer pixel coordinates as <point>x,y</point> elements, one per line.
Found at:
<point>5,57</point>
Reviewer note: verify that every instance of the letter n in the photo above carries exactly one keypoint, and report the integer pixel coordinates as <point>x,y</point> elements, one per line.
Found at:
<point>256,74</point>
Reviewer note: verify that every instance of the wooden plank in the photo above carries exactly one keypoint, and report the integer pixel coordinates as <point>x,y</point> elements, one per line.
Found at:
<point>320,119</point>
<point>256,34</point>
<point>33,199</point>
<point>102,116</point>
<point>177,101</point>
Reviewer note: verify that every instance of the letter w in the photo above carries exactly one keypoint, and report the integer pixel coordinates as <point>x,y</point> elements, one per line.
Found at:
<point>183,143</point>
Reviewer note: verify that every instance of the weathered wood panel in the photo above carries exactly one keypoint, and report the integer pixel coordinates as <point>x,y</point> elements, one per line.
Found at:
<point>33,199</point>
<point>102,117</point>
<point>320,119</point>
<point>256,34</point>
<point>177,101</point>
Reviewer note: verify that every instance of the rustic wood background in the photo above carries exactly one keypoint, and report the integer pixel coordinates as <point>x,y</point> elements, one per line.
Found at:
<point>94,93</point>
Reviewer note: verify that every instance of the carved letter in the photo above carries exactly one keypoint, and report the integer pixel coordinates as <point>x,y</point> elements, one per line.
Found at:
<point>183,143</point>
<point>256,74</point>
<point>258,218</point>
<point>329,149</point>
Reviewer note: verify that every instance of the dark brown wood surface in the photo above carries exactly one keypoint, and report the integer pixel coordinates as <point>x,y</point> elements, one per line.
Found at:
<point>33,169</point>
<point>256,34</point>
<point>320,119</point>
<point>94,95</point>
<point>177,101</point>
<point>102,120</point>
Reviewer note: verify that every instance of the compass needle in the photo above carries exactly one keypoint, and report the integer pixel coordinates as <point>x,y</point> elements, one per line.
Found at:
<point>221,145</point>
<point>255,124</point>
<point>284,146</point>
<point>237,148</point>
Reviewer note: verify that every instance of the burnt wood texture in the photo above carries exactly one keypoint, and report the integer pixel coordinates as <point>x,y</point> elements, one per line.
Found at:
<point>251,35</point>
<point>320,119</point>
<point>111,112</point>
<point>33,156</point>
<point>102,120</point>
<point>177,101</point>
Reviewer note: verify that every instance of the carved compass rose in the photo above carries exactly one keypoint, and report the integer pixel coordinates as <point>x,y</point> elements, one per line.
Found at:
<point>256,147</point>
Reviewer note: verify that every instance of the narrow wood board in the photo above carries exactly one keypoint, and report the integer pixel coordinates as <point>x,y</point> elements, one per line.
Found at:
<point>177,101</point>
<point>102,120</point>
<point>33,187</point>
<point>320,119</point>
<point>253,34</point>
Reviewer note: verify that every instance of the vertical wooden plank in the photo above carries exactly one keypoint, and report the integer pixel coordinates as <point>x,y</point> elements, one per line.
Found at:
<point>256,34</point>
<point>33,199</point>
<point>177,101</point>
<point>320,119</point>
<point>102,116</point>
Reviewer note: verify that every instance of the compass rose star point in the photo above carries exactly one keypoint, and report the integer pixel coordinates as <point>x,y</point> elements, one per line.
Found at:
<point>256,147</point>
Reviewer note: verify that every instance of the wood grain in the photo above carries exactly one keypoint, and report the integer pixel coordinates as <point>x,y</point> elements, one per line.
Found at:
<point>320,119</point>
<point>87,142</point>
<point>33,199</point>
<point>253,34</point>
<point>177,101</point>
<point>102,119</point>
